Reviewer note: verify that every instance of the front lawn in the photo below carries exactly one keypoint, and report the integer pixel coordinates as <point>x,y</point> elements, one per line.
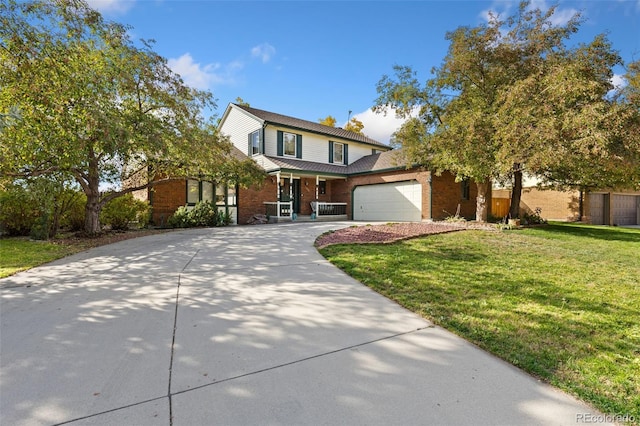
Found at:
<point>19,254</point>
<point>561,301</point>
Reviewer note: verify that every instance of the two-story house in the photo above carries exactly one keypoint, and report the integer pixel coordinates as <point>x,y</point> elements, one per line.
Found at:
<point>328,172</point>
<point>319,172</point>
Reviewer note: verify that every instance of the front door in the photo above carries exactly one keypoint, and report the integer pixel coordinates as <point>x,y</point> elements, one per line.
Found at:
<point>294,189</point>
<point>296,196</point>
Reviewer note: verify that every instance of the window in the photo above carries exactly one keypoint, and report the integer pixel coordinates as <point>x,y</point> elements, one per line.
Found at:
<point>207,191</point>
<point>220,195</point>
<point>199,191</point>
<point>254,143</point>
<point>289,144</point>
<point>193,191</point>
<point>338,153</point>
<point>231,195</point>
<point>322,187</point>
<point>464,189</point>
<point>289,141</point>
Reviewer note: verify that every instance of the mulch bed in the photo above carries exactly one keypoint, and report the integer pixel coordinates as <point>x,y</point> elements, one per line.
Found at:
<point>391,232</point>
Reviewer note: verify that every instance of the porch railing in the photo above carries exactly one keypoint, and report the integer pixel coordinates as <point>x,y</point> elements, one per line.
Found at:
<point>278,208</point>
<point>320,208</point>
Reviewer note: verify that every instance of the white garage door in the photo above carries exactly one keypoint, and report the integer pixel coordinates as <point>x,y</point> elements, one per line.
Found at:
<point>398,201</point>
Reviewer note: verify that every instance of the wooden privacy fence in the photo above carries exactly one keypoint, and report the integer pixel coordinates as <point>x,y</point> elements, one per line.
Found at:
<point>500,206</point>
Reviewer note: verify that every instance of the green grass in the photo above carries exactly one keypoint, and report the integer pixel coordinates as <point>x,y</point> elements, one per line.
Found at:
<point>562,302</point>
<point>19,254</point>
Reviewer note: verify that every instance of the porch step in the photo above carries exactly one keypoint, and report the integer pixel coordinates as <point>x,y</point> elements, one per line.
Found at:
<point>305,218</point>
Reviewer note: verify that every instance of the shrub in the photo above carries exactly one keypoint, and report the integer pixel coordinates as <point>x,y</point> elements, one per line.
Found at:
<point>19,211</point>
<point>73,218</point>
<point>121,211</point>
<point>204,213</point>
<point>41,228</point>
<point>533,218</point>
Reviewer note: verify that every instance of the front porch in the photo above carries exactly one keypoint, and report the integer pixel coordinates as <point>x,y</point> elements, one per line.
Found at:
<point>305,198</point>
<point>283,211</point>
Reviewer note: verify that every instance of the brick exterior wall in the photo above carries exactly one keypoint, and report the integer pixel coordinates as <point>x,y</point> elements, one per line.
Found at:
<point>443,196</point>
<point>251,200</point>
<point>447,195</point>
<point>165,198</point>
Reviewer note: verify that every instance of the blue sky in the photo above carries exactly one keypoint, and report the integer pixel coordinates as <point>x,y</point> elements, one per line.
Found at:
<point>310,59</point>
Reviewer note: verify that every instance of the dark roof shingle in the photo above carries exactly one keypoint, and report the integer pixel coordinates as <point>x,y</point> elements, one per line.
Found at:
<point>393,159</point>
<point>297,123</point>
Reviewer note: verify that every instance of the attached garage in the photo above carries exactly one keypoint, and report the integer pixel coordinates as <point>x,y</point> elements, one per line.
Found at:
<point>397,201</point>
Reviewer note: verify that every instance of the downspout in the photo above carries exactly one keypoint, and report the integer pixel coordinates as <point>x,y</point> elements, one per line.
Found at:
<point>262,141</point>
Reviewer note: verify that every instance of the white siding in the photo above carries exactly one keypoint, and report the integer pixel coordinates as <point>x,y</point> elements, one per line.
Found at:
<point>357,151</point>
<point>315,147</point>
<point>238,125</point>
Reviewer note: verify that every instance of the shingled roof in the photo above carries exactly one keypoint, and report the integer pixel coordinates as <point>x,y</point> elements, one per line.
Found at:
<point>389,160</point>
<point>309,126</point>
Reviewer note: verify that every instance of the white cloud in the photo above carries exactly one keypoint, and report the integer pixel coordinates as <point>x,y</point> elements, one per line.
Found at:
<point>201,76</point>
<point>113,6</point>
<point>618,81</point>
<point>503,9</point>
<point>264,51</point>
<point>379,126</point>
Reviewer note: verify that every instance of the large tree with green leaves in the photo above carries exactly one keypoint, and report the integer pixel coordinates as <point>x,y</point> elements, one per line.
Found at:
<point>88,103</point>
<point>509,97</point>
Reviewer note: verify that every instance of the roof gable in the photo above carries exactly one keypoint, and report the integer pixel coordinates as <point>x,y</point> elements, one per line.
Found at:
<point>310,126</point>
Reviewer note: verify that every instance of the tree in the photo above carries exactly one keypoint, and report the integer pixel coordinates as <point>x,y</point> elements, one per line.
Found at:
<point>97,108</point>
<point>242,102</point>
<point>328,121</point>
<point>354,125</point>
<point>478,111</point>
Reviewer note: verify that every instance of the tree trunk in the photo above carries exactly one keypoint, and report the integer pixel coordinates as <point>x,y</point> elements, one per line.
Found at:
<point>91,187</point>
<point>516,192</point>
<point>482,200</point>
<point>92,214</point>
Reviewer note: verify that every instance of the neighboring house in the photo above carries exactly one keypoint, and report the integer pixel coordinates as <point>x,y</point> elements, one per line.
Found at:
<point>598,207</point>
<point>318,172</point>
<point>619,208</point>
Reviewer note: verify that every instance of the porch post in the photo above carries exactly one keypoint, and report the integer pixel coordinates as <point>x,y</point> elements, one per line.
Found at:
<point>291,195</point>
<point>278,194</point>
<point>317,184</point>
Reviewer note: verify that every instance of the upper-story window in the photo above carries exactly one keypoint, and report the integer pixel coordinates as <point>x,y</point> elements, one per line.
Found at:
<point>254,143</point>
<point>289,142</point>
<point>338,153</point>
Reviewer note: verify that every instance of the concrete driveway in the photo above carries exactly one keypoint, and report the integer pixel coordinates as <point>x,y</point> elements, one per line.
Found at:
<point>240,325</point>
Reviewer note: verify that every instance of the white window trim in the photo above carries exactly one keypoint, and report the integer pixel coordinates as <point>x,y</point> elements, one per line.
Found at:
<point>284,144</point>
<point>253,147</point>
<point>335,150</point>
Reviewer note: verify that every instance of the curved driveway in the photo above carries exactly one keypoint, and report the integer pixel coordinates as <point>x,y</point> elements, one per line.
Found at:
<point>240,325</point>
